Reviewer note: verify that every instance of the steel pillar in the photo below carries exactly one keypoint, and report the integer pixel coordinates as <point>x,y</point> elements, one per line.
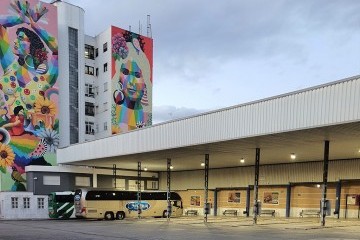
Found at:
<point>215,202</point>
<point>139,189</point>
<point>256,185</point>
<point>338,198</point>
<point>248,201</point>
<point>168,215</point>
<point>114,175</point>
<point>288,200</point>
<point>325,182</point>
<point>206,205</point>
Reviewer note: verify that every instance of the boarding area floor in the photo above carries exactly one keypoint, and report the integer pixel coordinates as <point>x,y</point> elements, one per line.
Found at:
<point>184,228</point>
<point>297,223</point>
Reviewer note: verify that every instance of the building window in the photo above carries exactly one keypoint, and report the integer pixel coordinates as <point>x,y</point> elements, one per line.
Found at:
<point>51,180</point>
<point>14,202</point>
<point>105,47</point>
<point>74,85</point>
<point>89,51</point>
<point>105,86</point>
<point>105,106</point>
<point>89,128</point>
<point>89,70</point>
<point>26,202</point>
<point>89,109</point>
<point>105,67</point>
<point>82,181</point>
<point>105,126</point>
<point>41,203</point>
<point>152,185</point>
<point>97,72</point>
<point>89,90</point>
<point>96,52</point>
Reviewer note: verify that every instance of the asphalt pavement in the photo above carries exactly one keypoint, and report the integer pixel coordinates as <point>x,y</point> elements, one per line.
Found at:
<point>184,228</point>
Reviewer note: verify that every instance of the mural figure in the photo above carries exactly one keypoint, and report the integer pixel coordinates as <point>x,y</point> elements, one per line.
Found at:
<point>28,95</point>
<point>16,123</point>
<point>131,83</point>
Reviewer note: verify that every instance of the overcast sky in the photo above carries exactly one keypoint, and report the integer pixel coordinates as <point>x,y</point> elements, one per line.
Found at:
<point>212,54</point>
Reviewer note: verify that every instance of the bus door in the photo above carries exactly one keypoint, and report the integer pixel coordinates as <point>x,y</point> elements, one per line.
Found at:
<point>177,207</point>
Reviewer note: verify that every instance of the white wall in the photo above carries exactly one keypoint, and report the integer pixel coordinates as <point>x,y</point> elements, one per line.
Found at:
<point>104,112</point>
<point>89,79</point>
<point>7,212</point>
<point>70,16</point>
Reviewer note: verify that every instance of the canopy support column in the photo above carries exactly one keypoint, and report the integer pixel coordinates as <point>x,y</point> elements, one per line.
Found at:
<point>256,186</point>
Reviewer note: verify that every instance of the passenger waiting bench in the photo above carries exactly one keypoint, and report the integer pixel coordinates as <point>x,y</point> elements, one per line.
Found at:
<point>230,212</point>
<point>191,212</point>
<point>309,212</point>
<point>268,212</point>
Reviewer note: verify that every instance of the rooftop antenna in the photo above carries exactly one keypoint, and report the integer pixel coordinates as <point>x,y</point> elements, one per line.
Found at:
<point>140,28</point>
<point>149,32</point>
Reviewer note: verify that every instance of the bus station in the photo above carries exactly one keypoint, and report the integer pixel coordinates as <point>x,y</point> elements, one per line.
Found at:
<point>288,154</point>
<point>288,160</point>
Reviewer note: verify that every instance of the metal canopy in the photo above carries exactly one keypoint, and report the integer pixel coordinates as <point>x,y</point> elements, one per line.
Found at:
<point>275,149</point>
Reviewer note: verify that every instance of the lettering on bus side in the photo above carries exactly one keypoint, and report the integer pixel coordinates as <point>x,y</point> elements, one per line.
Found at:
<point>133,206</point>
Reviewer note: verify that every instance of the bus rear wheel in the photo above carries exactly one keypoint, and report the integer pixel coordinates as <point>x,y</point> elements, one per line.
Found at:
<point>120,215</point>
<point>109,216</point>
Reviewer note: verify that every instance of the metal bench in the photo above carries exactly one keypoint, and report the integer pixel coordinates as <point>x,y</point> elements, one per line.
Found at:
<point>230,212</point>
<point>310,212</point>
<point>268,212</point>
<point>191,212</point>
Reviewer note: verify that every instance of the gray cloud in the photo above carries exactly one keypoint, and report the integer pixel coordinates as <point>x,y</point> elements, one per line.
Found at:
<point>168,113</point>
<point>237,50</point>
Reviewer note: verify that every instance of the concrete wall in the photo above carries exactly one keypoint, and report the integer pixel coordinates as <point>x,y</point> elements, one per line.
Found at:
<point>305,178</point>
<point>67,182</point>
<point>269,175</point>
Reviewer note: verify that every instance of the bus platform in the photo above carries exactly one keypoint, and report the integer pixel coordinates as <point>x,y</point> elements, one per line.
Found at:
<point>285,223</point>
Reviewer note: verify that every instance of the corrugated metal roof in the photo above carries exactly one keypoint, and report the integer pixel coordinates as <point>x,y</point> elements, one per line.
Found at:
<point>298,122</point>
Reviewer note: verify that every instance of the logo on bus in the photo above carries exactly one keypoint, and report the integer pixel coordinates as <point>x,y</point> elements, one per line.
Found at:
<point>77,197</point>
<point>133,206</point>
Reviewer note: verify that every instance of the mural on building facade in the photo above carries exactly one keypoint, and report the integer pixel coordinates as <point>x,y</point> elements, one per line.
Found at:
<point>131,81</point>
<point>28,90</point>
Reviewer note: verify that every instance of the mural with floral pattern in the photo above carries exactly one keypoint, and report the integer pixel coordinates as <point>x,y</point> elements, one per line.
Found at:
<point>131,81</point>
<point>29,125</point>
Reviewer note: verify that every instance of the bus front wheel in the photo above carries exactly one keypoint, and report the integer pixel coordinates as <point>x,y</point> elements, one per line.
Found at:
<point>120,215</point>
<point>109,216</point>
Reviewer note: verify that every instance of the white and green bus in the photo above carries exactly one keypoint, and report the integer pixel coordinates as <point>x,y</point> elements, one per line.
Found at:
<point>61,205</point>
<point>118,204</point>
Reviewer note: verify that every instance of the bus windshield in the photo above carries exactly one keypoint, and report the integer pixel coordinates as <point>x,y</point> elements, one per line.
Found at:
<point>61,205</point>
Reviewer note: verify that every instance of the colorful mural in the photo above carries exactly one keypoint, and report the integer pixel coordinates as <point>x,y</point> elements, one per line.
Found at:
<point>29,126</point>
<point>131,81</point>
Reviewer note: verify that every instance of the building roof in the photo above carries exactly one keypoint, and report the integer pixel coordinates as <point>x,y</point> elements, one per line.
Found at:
<point>297,122</point>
